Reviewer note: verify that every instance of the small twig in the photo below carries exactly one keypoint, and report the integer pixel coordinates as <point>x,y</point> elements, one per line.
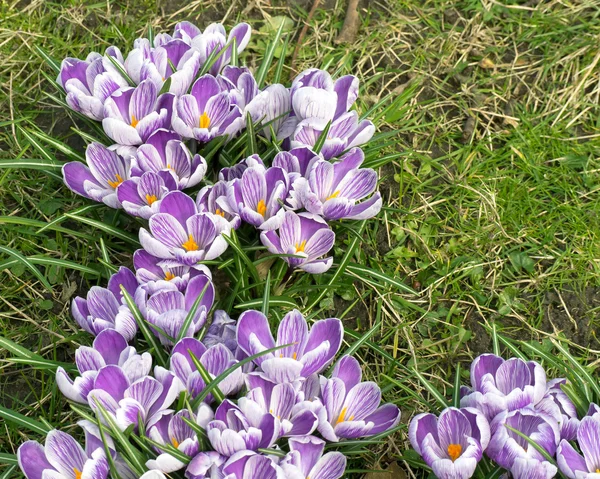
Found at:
<point>351,24</point>
<point>303,33</point>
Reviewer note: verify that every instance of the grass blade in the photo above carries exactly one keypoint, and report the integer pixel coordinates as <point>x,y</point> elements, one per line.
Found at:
<point>52,63</point>
<point>192,312</point>
<point>363,270</point>
<point>106,228</point>
<point>207,378</point>
<point>24,421</point>
<point>28,264</point>
<point>30,164</point>
<point>261,75</point>
<point>322,138</point>
<point>252,146</point>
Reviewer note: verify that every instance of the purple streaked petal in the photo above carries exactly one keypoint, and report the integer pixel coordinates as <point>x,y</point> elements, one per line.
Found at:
<point>281,369</point>
<point>292,330</point>
<point>167,229</point>
<point>348,370</point>
<point>254,334</point>
<point>64,453</point>
<point>178,205</point>
<point>569,461</point>
<point>112,380</point>
<point>346,88</point>
<point>420,427</point>
<point>74,176</point>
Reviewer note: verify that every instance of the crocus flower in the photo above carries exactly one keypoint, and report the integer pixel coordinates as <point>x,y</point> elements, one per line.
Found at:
<point>558,405</point>
<point>207,112</point>
<point>222,330</point>
<point>297,162</point>
<point>244,92</point>
<point>237,170</point>
<point>232,431</point>
<point>258,197</point>
<point>156,275</point>
<point>344,133</point>
<point>308,353</point>
<point>131,115</point>
<point>335,191</point>
<point>352,407</point>
<point>88,83</point>
<point>103,308</point>
<point>206,465</point>
<point>179,232</point>
<point>141,196</point>
<point>157,66</point>
<point>109,347</point>
<point>165,154</point>
<point>99,180</point>
<point>61,457</point>
<point>213,199</point>
<point>316,95</point>
<point>142,51</point>
<point>586,465</point>
<point>215,359</point>
<point>277,119</point>
<point>306,238</point>
<point>249,465</point>
<point>532,469</point>
<point>168,309</point>
<point>452,444</point>
<point>170,428</point>
<point>306,459</point>
<point>214,38</point>
<point>294,415</point>
<point>133,402</point>
<point>505,445</point>
<point>500,385</point>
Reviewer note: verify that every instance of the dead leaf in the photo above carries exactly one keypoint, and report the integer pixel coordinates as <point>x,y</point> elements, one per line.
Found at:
<point>394,471</point>
<point>487,63</point>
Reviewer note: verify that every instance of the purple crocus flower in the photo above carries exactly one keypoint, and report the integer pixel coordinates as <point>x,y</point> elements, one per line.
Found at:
<point>61,457</point>
<point>587,464</point>
<point>170,428</point>
<point>213,38</point>
<point>306,238</point>
<point>500,385</point>
<point>231,173</point>
<point>335,191</point>
<point>156,275</point>
<point>532,469</point>
<point>213,199</point>
<point>131,402</point>
<point>352,407</point>
<point>250,465</point>
<point>222,330</point>
<point>306,459</point>
<point>141,52</point>
<point>109,347</point>
<point>207,112</point>
<point>344,133</point>
<point>243,91</point>
<point>166,155</point>
<point>215,359</point>
<point>206,465</point>
<point>258,197</point>
<point>294,415</point>
<point>157,67</point>
<point>558,405</point>
<point>179,232</point>
<point>88,83</point>
<point>168,309</point>
<point>452,444</point>
<point>297,162</point>
<point>99,180</point>
<point>277,113</point>
<point>131,115</point>
<point>309,353</point>
<point>141,196</point>
<point>232,431</point>
<point>103,308</point>
<point>505,445</point>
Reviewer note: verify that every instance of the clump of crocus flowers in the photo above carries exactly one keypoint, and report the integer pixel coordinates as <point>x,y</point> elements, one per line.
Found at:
<point>211,396</point>
<point>520,420</point>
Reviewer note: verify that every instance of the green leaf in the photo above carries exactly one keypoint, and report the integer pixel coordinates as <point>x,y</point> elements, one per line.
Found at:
<point>55,65</point>
<point>261,75</point>
<point>207,378</point>
<point>63,217</point>
<point>233,241</point>
<point>190,316</point>
<point>58,145</point>
<point>274,301</point>
<point>432,390</point>
<point>10,459</point>
<point>521,261</point>
<point>120,69</point>
<point>360,270</point>
<point>456,390</point>
<point>266,294</point>
<point>30,164</point>
<point>322,137</point>
<point>26,262</point>
<point>166,85</point>
<point>106,228</point>
<point>24,421</point>
<point>535,445</point>
<point>252,147</point>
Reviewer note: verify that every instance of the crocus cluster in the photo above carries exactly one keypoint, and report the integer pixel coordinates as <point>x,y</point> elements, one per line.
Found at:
<point>167,99</point>
<point>517,418</point>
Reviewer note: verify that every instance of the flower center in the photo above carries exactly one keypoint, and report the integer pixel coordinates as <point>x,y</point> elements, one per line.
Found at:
<point>261,208</point>
<point>134,121</point>
<point>77,473</point>
<point>300,247</point>
<point>116,183</point>
<point>220,213</point>
<point>454,451</point>
<point>175,443</point>
<point>190,244</point>
<point>204,120</point>
<point>169,276</point>
<point>342,416</point>
<point>151,199</point>
<point>335,194</point>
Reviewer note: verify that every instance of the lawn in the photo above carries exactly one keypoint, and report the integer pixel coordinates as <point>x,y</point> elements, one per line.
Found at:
<point>491,196</point>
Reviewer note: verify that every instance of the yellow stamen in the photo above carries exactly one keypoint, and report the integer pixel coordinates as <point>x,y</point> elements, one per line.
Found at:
<point>134,121</point>
<point>300,247</point>
<point>175,443</point>
<point>114,184</point>
<point>335,194</point>
<point>190,244</point>
<point>204,120</point>
<point>295,355</point>
<point>77,473</point>
<point>169,276</point>
<point>220,213</point>
<point>151,199</point>
<point>169,166</point>
<point>342,416</point>
<point>454,451</point>
<point>261,208</point>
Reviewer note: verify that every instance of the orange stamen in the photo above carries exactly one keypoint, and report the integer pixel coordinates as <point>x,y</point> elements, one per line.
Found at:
<point>454,451</point>
<point>190,244</point>
<point>204,120</point>
<point>169,276</point>
<point>114,184</point>
<point>77,473</point>
<point>134,121</point>
<point>300,247</point>
<point>151,199</point>
<point>220,213</point>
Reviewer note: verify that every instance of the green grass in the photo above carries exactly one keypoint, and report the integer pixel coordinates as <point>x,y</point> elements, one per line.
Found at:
<point>491,212</point>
